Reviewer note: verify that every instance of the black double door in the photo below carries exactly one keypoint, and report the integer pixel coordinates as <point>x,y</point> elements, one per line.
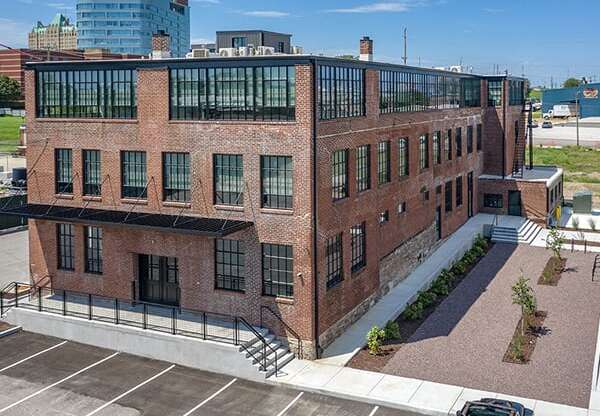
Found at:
<point>514,203</point>
<point>159,279</point>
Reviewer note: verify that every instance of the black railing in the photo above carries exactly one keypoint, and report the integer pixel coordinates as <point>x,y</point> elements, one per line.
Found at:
<point>285,325</point>
<point>139,314</point>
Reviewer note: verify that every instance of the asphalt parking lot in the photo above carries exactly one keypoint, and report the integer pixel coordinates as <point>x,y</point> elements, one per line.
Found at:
<point>47,376</point>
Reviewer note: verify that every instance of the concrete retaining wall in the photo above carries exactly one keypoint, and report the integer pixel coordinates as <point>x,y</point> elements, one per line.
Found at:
<point>203,355</point>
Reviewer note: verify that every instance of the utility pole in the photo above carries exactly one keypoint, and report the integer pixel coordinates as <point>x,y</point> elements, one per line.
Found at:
<point>405,57</point>
<point>577,114</point>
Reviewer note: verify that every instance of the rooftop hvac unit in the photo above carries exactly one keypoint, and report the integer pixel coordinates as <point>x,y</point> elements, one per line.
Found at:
<point>200,53</point>
<point>246,51</point>
<point>265,50</point>
<point>297,50</point>
<point>228,52</point>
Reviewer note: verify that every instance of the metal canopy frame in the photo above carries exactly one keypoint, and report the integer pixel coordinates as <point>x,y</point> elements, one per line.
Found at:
<point>210,227</point>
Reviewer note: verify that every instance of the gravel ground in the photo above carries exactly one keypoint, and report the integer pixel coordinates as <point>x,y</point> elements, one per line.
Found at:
<point>463,341</point>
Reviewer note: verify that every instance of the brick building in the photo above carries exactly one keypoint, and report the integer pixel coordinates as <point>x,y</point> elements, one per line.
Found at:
<point>306,185</point>
<point>59,35</point>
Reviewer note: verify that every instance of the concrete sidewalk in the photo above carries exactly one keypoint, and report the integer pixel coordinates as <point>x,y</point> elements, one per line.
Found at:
<point>422,396</point>
<point>391,305</point>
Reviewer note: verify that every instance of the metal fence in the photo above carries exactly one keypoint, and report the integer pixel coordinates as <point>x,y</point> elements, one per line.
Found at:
<point>12,221</point>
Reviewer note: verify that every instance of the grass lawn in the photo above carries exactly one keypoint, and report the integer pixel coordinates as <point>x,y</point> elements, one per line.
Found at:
<point>581,166</point>
<point>9,133</point>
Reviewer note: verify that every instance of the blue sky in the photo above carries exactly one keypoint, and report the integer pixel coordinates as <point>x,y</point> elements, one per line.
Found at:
<point>550,39</point>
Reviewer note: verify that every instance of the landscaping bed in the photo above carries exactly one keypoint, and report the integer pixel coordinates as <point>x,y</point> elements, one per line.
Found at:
<point>398,332</point>
<point>552,271</point>
<point>522,345</point>
<point>4,326</point>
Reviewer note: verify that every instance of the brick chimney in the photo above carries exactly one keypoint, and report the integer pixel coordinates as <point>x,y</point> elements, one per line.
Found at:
<point>161,45</point>
<point>366,49</point>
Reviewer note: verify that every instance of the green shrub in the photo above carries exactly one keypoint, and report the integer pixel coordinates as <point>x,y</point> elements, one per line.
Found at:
<point>413,312</point>
<point>440,287</point>
<point>447,276</point>
<point>469,258</point>
<point>459,268</point>
<point>392,330</point>
<point>427,298</point>
<point>478,251</point>
<point>375,337</point>
<point>516,348</point>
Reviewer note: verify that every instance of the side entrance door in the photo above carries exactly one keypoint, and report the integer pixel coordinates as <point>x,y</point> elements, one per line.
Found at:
<point>159,279</point>
<point>514,203</point>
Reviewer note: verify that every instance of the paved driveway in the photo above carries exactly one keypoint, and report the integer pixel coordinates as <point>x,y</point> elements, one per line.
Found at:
<point>463,341</point>
<point>14,258</point>
<point>46,376</point>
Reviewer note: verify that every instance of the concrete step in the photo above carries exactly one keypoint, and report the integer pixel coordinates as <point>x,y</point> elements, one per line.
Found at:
<point>257,354</point>
<point>286,359</point>
<point>525,234</point>
<point>279,352</point>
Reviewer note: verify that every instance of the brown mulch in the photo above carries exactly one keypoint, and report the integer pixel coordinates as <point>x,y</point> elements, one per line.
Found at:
<point>534,330</point>
<point>363,360</point>
<point>4,326</point>
<point>552,271</point>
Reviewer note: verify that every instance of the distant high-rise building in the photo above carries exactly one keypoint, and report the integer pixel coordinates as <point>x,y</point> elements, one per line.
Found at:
<point>59,35</point>
<point>126,26</point>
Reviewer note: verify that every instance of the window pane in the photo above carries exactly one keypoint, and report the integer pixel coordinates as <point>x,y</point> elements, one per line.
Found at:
<point>277,270</point>
<point>230,265</point>
<point>276,182</point>
<point>63,171</point>
<point>66,246</point>
<point>133,175</point>
<point>176,177</point>
<point>228,174</point>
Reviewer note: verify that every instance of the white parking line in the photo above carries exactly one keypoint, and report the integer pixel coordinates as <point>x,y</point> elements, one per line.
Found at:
<point>375,409</point>
<point>33,356</point>
<point>221,390</point>
<point>289,406</point>
<point>105,405</point>
<point>57,383</point>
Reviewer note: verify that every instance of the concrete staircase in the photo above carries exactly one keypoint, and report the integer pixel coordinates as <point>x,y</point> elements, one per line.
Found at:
<point>256,350</point>
<point>523,233</point>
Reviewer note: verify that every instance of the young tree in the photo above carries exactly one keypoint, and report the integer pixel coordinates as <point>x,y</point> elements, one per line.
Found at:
<point>9,89</point>
<point>523,295</point>
<point>572,83</point>
<point>555,241</point>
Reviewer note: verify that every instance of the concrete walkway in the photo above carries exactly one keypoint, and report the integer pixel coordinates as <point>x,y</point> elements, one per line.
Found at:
<point>392,304</point>
<point>14,258</point>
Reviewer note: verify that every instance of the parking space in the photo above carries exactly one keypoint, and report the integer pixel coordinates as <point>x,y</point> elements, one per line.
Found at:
<point>47,376</point>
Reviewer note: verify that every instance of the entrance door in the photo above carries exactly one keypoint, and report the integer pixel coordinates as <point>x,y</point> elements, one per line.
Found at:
<point>438,222</point>
<point>159,279</point>
<point>470,194</point>
<point>514,203</point>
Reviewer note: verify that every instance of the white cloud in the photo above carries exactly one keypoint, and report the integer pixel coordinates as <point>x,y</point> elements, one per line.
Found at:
<point>265,13</point>
<point>61,6</point>
<point>195,41</point>
<point>389,7</point>
<point>493,11</point>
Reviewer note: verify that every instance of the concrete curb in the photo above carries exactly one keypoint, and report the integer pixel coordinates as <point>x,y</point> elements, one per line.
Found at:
<point>14,230</point>
<point>10,331</point>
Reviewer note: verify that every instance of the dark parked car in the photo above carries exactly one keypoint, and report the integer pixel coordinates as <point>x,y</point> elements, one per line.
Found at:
<point>547,124</point>
<point>494,407</point>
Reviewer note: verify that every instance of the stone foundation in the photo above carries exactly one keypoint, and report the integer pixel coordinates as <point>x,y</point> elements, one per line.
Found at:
<point>393,269</point>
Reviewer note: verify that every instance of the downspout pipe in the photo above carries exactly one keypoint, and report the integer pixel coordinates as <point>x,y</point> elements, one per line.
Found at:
<point>504,109</point>
<point>315,273</point>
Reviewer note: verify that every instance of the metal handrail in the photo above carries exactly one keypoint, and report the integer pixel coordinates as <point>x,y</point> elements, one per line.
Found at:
<point>173,312</point>
<point>289,328</point>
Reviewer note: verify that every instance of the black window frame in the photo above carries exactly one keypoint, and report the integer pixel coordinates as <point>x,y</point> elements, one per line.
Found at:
<point>358,244</point>
<point>131,160</point>
<point>469,139</point>
<point>403,157</point>
<point>495,93</point>
<point>97,93</point>
<point>65,246</point>
<point>363,168</point>
<point>334,258</point>
<point>93,249</point>
<point>424,152</point>
<point>176,167</point>
<point>495,201</point>
<point>283,166</point>
<point>92,172</point>
<point>228,179</point>
<point>459,191</point>
<point>339,174</point>
<point>458,141</point>
<point>383,162</point>
<point>448,196</point>
<point>278,255</point>
<point>437,147</point>
<point>340,92</point>
<point>63,171</point>
<point>230,265</point>
<point>449,150</point>
<point>479,137</point>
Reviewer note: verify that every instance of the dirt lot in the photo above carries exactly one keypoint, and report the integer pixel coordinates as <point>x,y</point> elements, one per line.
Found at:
<point>464,340</point>
<point>571,187</point>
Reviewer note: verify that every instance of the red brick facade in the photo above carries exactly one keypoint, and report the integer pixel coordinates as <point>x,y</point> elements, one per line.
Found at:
<point>154,133</point>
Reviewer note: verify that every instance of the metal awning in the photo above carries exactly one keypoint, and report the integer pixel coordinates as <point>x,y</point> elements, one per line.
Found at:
<point>212,227</point>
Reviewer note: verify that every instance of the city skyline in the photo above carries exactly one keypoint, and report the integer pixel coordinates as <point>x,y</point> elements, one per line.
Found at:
<point>440,32</point>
